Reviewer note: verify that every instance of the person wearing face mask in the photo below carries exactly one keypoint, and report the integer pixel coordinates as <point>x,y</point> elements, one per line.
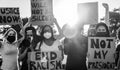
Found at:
<point>30,34</point>
<point>49,43</point>
<point>102,30</point>
<point>9,50</point>
<point>27,45</point>
<point>47,36</point>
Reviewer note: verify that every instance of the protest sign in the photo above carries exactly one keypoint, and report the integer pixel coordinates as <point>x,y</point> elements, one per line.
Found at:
<point>50,60</point>
<point>41,12</point>
<point>101,53</point>
<point>9,16</point>
<point>86,11</point>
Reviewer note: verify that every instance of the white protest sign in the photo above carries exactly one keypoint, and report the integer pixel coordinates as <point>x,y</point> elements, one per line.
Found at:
<point>50,60</point>
<point>101,53</point>
<point>9,16</point>
<point>41,12</point>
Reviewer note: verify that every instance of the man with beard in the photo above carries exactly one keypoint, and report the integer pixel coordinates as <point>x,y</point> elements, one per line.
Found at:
<point>9,50</point>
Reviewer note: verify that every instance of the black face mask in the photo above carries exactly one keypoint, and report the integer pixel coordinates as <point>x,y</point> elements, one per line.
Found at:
<point>102,34</point>
<point>11,39</point>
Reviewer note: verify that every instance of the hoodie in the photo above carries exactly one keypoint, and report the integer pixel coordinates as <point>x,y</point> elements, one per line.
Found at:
<point>9,52</point>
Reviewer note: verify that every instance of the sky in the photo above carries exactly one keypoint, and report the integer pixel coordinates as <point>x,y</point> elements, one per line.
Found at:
<point>64,10</point>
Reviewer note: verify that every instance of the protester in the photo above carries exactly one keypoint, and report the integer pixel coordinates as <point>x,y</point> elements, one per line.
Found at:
<point>102,30</point>
<point>9,50</point>
<point>30,36</point>
<point>57,37</point>
<point>49,40</point>
<point>75,48</point>
<point>49,43</point>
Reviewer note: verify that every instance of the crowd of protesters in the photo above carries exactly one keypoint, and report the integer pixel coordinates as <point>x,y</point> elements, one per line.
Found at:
<point>19,40</point>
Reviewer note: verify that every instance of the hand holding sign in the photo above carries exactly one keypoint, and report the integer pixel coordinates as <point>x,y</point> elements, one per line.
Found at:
<point>101,50</point>
<point>38,60</point>
<point>41,12</point>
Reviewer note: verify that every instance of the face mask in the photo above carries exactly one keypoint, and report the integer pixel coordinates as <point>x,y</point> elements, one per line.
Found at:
<point>30,38</point>
<point>11,39</point>
<point>102,34</point>
<point>47,35</point>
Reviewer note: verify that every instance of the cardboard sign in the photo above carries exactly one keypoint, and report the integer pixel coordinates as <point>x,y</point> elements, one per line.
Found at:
<point>41,12</point>
<point>9,16</point>
<point>101,53</point>
<point>45,60</point>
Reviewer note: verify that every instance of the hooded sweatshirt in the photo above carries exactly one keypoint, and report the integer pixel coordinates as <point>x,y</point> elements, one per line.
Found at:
<point>9,52</point>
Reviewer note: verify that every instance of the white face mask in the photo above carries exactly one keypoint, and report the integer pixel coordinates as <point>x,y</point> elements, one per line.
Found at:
<point>30,38</point>
<point>47,35</point>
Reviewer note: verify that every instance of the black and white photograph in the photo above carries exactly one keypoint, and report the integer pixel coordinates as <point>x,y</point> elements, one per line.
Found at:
<point>59,34</point>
